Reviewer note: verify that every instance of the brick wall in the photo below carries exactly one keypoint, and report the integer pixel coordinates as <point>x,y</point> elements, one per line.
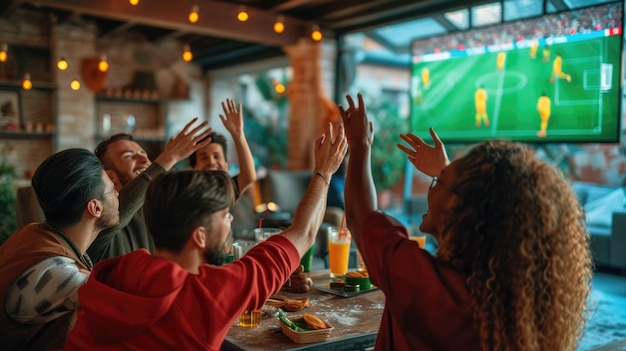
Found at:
<point>74,118</point>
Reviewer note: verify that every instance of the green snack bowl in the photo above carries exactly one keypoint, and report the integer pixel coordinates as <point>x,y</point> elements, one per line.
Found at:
<point>363,283</point>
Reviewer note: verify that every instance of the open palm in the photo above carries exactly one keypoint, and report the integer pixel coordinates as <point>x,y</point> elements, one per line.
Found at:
<point>426,159</point>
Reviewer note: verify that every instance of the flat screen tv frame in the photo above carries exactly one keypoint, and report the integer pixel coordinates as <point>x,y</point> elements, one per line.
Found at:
<point>584,90</point>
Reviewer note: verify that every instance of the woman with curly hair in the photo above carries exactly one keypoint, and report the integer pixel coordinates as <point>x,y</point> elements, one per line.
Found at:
<point>513,268</point>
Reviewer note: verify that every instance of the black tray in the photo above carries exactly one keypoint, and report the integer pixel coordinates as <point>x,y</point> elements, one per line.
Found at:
<point>342,293</point>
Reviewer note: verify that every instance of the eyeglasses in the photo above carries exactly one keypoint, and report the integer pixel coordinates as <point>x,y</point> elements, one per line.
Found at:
<point>437,180</point>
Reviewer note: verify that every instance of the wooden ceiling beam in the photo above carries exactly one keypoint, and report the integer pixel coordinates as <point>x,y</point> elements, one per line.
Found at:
<point>217,19</point>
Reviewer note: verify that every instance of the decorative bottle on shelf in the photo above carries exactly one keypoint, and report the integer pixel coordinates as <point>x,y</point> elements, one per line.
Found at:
<point>106,124</point>
<point>130,124</point>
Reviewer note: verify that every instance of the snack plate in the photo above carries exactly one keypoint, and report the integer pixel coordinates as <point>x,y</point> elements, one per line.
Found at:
<point>307,336</point>
<point>341,292</point>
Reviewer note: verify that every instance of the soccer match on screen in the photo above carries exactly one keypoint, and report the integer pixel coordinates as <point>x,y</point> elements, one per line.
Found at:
<point>551,78</point>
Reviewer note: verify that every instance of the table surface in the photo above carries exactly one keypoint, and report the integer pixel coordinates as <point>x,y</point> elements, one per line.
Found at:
<point>355,320</point>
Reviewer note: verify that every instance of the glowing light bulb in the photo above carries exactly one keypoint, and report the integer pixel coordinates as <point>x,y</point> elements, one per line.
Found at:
<point>194,16</point>
<point>242,15</point>
<point>62,64</point>
<point>133,2</point>
<point>187,54</point>
<point>3,53</point>
<point>280,88</point>
<point>26,83</point>
<point>279,25</point>
<point>75,84</point>
<point>103,65</point>
<point>316,34</point>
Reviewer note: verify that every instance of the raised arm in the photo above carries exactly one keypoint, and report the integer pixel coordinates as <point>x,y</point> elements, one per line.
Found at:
<point>184,144</point>
<point>360,191</point>
<point>233,121</point>
<point>426,159</point>
<point>310,211</point>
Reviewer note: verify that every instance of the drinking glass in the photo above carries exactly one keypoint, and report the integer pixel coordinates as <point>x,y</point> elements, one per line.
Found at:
<point>338,251</point>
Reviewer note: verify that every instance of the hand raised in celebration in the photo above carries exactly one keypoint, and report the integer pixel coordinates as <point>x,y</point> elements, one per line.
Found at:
<point>232,118</point>
<point>330,150</point>
<point>426,159</point>
<point>359,129</point>
<point>184,144</point>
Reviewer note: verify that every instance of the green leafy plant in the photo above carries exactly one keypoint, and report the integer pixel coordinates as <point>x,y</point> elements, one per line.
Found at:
<point>387,160</point>
<point>266,128</point>
<point>7,195</point>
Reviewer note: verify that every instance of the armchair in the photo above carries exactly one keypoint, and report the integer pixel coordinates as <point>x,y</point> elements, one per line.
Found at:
<point>286,189</point>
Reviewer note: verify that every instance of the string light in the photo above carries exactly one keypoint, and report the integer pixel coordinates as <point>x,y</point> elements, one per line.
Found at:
<point>62,64</point>
<point>242,15</point>
<point>75,84</point>
<point>26,83</point>
<point>103,64</point>
<point>194,16</point>
<point>280,88</point>
<point>133,2</point>
<point>315,33</point>
<point>3,52</point>
<point>187,54</point>
<point>279,25</point>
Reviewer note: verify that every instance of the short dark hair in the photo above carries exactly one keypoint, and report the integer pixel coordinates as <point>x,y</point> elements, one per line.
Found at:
<point>104,144</point>
<point>178,201</point>
<point>65,182</point>
<point>215,138</point>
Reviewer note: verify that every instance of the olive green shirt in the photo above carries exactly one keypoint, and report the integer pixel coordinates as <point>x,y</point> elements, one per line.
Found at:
<point>131,234</point>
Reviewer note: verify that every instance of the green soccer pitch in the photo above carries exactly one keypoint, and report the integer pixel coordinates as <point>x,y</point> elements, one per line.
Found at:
<point>584,110</point>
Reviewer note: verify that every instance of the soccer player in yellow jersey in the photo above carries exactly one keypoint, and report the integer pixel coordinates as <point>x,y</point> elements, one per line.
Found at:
<point>543,107</point>
<point>533,48</point>
<point>557,70</point>
<point>480,100</point>
<point>500,61</point>
<point>426,77</point>
<point>546,53</point>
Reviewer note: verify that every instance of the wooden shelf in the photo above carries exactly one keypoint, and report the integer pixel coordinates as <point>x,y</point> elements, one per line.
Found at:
<point>130,99</point>
<point>24,135</point>
<point>17,84</point>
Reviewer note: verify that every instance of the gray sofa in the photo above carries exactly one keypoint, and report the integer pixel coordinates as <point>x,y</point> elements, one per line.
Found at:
<point>606,222</point>
<point>286,188</point>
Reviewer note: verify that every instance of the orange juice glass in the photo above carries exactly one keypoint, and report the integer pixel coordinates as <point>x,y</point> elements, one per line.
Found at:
<point>420,240</point>
<point>338,251</point>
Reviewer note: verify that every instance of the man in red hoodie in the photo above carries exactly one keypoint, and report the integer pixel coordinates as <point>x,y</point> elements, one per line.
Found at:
<point>176,300</point>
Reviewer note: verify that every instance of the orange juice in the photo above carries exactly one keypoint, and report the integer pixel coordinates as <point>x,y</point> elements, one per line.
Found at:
<point>420,240</point>
<point>338,251</point>
<point>250,318</point>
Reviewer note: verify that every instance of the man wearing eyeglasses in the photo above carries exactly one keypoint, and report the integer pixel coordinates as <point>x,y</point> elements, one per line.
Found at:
<point>130,169</point>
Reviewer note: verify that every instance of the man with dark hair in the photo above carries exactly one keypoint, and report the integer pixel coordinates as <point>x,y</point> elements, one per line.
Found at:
<point>214,155</point>
<point>174,300</point>
<point>130,169</point>
<point>42,265</point>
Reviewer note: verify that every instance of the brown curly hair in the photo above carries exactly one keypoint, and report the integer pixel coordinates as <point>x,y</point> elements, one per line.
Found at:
<point>519,236</point>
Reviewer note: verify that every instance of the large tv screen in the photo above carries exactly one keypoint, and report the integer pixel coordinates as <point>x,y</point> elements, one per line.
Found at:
<point>555,78</point>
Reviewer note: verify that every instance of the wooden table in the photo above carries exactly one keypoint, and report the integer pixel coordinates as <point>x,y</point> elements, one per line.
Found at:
<point>355,320</point>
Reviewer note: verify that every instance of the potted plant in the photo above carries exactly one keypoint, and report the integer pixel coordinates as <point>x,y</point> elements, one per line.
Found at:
<point>7,195</point>
<point>387,160</point>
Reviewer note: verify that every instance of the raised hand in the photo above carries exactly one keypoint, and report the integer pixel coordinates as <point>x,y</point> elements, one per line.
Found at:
<point>426,159</point>
<point>184,144</point>
<point>330,150</point>
<point>359,129</point>
<point>232,118</point>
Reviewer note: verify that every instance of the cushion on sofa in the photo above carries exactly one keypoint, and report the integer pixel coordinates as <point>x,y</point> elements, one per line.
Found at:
<point>600,211</point>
